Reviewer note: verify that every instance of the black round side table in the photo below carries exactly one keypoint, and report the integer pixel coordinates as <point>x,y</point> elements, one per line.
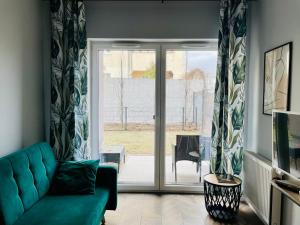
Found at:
<point>222,200</point>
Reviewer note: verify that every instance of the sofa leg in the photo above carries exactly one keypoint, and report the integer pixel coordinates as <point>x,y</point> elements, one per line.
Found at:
<point>103,221</point>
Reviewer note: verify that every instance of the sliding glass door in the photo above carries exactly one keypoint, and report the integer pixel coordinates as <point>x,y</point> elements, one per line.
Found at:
<point>151,108</point>
<point>126,74</point>
<point>189,82</point>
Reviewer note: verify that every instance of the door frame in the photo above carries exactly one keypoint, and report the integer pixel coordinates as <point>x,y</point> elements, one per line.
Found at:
<point>160,46</point>
<point>96,114</point>
<point>165,46</point>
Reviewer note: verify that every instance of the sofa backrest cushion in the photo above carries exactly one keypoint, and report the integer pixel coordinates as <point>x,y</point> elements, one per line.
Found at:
<point>25,177</point>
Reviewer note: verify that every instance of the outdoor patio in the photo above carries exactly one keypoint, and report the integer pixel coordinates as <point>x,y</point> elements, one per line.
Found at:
<point>140,169</point>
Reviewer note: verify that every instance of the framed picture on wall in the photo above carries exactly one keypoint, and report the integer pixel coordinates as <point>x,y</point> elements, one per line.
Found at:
<point>277,78</point>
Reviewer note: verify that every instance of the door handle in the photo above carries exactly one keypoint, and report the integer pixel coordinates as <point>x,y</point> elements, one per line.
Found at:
<point>154,117</point>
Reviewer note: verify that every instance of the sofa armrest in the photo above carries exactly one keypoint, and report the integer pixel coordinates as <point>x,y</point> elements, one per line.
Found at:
<point>107,178</point>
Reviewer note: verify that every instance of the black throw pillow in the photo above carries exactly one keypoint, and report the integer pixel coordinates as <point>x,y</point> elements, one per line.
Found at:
<point>75,177</point>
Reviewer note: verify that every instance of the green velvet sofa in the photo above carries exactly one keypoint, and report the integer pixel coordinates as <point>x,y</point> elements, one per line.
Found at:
<point>25,179</point>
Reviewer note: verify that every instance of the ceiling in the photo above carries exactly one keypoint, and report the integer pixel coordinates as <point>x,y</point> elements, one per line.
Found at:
<point>154,0</point>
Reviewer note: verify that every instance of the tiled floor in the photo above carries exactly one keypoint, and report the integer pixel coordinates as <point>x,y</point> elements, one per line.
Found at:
<point>170,209</point>
<point>138,168</point>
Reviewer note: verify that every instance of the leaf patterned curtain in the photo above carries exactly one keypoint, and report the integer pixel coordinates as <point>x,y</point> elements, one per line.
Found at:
<point>229,102</point>
<point>69,117</point>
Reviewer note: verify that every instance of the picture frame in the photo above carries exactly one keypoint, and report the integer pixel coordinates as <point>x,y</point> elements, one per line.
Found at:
<point>277,78</point>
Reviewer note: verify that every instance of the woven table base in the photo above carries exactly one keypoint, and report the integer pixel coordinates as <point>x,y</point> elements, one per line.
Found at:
<point>222,201</point>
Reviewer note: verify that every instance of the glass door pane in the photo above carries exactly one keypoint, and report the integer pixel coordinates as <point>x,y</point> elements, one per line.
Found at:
<point>190,82</point>
<point>127,106</point>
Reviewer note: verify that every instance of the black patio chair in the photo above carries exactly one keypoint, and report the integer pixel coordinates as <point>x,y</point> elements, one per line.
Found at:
<point>187,148</point>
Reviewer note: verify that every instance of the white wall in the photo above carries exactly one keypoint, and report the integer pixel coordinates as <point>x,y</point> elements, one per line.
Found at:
<point>46,65</point>
<point>273,22</point>
<point>21,90</point>
<point>152,19</point>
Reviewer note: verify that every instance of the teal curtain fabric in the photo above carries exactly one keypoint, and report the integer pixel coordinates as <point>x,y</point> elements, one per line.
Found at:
<point>229,102</point>
<point>69,117</point>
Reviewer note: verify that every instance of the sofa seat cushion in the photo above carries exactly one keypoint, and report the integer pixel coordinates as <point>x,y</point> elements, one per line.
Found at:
<point>67,209</point>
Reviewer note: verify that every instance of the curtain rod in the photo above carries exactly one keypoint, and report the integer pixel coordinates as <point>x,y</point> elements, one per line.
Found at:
<point>157,1</point>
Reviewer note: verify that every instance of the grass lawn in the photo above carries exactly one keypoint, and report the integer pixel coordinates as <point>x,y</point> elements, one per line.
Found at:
<point>141,142</point>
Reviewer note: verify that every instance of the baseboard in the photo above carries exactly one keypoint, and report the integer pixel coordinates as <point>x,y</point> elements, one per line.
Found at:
<point>256,211</point>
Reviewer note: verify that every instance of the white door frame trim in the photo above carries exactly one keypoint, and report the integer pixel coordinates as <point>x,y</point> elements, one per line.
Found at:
<point>160,46</point>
